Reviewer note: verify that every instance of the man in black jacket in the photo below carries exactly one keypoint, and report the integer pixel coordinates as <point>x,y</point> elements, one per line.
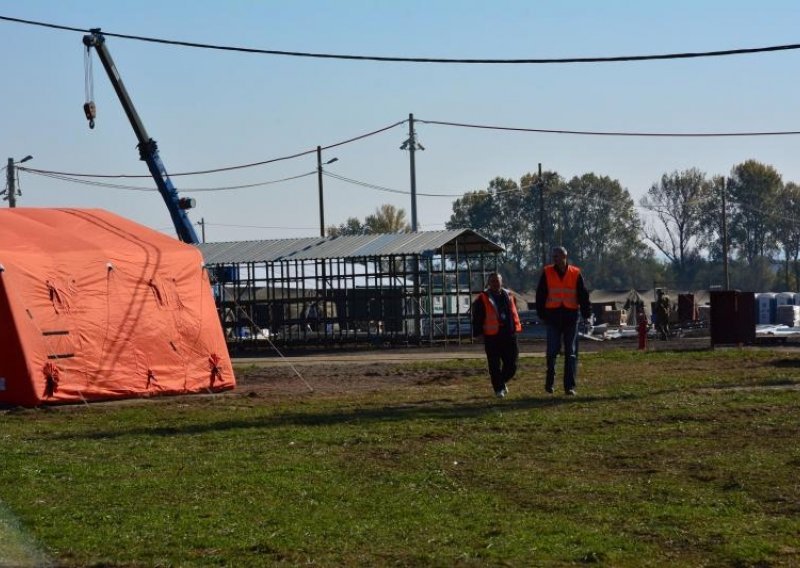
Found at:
<point>495,316</point>
<point>560,296</point>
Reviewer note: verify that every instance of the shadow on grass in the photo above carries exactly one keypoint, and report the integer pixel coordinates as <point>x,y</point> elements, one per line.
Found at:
<point>422,411</point>
<point>787,363</point>
<point>434,409</point>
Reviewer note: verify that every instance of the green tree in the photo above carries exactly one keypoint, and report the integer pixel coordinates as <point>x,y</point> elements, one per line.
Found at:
<point>536,213</point>
<point>499,214</point>
<point>753,191</point>
<point>756,276</point>
<point>788,230</point>
<point>387,219</point>
<point>350,227</point>
<point>593,216</point>
<point>600,219</point>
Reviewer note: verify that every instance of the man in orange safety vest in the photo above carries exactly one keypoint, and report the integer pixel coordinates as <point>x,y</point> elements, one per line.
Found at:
<point>495,316</point>
<point>560,297</point>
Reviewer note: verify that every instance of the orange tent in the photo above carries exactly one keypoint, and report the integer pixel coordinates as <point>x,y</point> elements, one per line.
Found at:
<point>94,306</point>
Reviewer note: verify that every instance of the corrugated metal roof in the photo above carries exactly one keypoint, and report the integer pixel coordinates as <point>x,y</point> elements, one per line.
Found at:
<point>357,246</point>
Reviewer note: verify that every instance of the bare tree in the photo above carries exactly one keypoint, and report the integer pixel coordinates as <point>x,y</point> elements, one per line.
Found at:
<point>677,205</point>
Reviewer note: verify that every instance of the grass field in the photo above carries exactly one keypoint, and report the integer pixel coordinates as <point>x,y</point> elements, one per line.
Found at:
<point>664,459</point>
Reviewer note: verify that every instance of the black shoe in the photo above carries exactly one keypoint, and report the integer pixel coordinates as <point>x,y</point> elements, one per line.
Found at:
<point>548,389</point>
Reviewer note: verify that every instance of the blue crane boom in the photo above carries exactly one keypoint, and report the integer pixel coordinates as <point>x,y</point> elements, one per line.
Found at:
<point>148,149</point>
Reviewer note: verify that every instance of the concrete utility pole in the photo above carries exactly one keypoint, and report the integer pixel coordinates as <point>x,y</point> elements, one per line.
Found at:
<point>319,183</point>
<point>11,180</point>
<point>412,146</point>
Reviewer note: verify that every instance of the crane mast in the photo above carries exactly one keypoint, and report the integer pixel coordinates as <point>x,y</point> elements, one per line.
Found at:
<point>148,149</point>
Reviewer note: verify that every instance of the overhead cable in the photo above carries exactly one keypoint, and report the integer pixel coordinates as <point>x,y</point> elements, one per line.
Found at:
<point>389,59</point>
<point>435,123</point>
<point>612,133</point>
<point>406,192</point>
<point>227,168</point>
<point>140,188</point>
<point>257,226</point>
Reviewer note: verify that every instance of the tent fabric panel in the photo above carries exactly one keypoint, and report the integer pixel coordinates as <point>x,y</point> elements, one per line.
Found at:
<point>112,308</point>
<point>14,371</point>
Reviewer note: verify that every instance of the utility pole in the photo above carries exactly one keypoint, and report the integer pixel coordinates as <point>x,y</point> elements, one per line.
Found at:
<point>202,223</point>
<point>11,180</point>
<point>725,238</point>
<point>319,184</point>
<point>412,146</point>
<point>12,191</point>
<point>412,149</point>
<point>541,216</point>
<point>321,200</point>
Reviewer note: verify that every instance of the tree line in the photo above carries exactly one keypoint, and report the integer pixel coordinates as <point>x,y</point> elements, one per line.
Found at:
<point>674,240</point>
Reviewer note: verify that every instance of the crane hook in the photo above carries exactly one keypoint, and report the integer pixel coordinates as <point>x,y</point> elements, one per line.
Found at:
<point>91,113</point>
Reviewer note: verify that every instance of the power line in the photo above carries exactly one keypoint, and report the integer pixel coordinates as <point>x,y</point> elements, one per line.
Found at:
<point>484,192</point>
<point>389,59</point>
<point>227,168</point>
<point>612,133</point>
<point>364,184</point>
<point>435,123</point>
<point>257,226</point>
<point>401,191</point>
<point>313,172</point>
<point>432,122</point>
<point>140,188</point>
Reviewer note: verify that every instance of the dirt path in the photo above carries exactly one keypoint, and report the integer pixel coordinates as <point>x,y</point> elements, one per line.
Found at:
<point>388,368</point>
<point>467,351</point>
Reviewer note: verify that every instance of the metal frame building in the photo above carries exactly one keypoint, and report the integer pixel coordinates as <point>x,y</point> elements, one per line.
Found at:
<point>393,288</point>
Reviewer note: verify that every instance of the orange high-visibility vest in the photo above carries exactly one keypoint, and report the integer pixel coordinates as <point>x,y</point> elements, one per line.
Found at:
<point>491,320</point>
<point>562,291</point>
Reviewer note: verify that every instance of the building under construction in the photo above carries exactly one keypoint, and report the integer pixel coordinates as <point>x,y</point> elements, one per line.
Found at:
<point>387,288</point>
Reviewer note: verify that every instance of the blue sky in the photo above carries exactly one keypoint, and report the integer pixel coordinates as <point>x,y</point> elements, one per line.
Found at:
<point>210,109</point>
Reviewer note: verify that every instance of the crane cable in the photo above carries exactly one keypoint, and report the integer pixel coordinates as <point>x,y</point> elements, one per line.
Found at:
<point>89,108</point>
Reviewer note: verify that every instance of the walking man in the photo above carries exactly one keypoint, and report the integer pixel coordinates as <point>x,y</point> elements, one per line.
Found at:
<point>560,296</point>
<point>495,316</point>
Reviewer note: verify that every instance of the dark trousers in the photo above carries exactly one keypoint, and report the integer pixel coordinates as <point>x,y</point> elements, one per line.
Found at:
<point>562,328</point>
<point>502,352</point>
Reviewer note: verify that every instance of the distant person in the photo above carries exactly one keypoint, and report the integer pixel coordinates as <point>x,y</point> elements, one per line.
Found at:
<point>561,297</point>
<point>495,316</point>
<point>662,314</point>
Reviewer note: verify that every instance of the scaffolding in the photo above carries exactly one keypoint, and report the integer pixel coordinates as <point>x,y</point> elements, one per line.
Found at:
<point>405,288</point>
